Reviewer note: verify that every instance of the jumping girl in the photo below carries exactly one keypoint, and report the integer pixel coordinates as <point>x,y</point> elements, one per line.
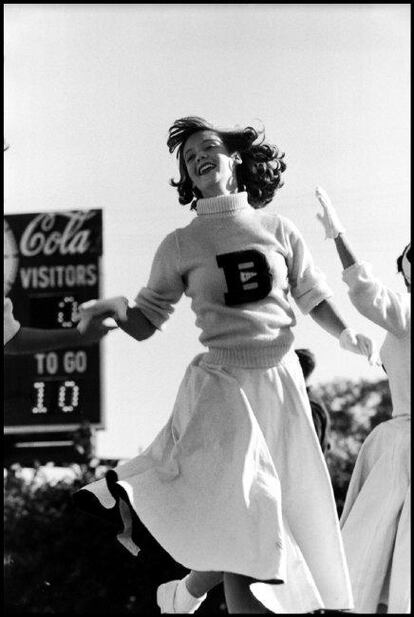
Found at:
<point>235,485</point>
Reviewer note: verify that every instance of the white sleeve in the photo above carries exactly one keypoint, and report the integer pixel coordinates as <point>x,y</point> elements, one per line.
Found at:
<point>11,325</point>
<point>307,283</point>
<point>165,285</point>
<point>372,299</point>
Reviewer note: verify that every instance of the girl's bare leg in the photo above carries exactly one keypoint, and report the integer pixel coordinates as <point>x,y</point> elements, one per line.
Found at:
<point>199,583</point>
<point>187,594</point>
<point>239,598</point>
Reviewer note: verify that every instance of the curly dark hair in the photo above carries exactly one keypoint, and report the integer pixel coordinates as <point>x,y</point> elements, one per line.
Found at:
<point>259,173</point>
<point>400,259</point>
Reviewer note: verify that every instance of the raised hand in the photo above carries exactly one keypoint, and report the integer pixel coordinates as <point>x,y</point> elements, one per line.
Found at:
<point>329,218</point>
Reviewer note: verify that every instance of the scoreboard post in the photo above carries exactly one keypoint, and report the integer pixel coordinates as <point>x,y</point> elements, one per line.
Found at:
<point>52,263</point>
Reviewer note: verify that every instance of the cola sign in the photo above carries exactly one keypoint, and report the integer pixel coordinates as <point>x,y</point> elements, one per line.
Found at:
<point>42,238</point>
<point>52,264</point>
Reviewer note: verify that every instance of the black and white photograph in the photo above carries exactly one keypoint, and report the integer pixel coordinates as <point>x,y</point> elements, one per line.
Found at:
<point>207,309</point>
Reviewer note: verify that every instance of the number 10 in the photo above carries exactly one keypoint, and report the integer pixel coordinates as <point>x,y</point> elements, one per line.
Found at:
<point>68,388</point>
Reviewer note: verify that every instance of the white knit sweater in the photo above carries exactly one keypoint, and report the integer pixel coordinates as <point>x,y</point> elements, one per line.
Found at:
<point>238,266</point>
<point>391,311</point>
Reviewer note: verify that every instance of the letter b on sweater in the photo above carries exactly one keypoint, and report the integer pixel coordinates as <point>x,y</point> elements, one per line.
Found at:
<point>248,276</point>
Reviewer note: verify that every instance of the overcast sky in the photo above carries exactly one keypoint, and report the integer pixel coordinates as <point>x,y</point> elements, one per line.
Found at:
<point>90,91</point>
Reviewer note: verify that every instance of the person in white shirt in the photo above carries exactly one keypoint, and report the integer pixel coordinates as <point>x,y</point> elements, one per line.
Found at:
<point>235,484</point>
<point>375,520</point>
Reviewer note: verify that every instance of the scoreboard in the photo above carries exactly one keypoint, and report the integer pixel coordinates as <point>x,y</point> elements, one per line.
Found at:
<point>52,263</point>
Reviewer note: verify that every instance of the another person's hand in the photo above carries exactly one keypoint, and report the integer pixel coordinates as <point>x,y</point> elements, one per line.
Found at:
<point>94,330</point>
<point>101,310</point>
<point>360,344</point>
<point>329,218</point>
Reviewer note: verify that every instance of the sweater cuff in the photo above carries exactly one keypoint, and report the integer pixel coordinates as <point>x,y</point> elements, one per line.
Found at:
<point>156,315</point>
<point>359,272</point>
<point>312,298</point>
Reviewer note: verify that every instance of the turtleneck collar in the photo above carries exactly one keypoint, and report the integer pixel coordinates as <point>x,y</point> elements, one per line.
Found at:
<point>222,205</point>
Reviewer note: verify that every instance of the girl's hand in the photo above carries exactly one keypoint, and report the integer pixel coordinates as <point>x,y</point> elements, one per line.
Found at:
<point>360,344</point>
<point>100,310</point>
<point>329,218</point>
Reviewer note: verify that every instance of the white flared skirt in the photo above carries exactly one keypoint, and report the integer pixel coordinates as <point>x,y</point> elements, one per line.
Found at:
<point>236,482</point>
<point>376,520</point>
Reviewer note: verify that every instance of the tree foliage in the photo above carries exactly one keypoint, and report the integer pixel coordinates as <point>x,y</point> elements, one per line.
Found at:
<point>355,408</point>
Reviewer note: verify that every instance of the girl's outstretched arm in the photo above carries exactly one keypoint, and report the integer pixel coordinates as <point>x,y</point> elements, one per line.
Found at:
<point>130,319</point>
<point>326,316</point>
<point>136,324</point>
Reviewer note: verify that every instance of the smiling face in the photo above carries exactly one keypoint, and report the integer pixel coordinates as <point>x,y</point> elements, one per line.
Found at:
<point>212,169</point>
